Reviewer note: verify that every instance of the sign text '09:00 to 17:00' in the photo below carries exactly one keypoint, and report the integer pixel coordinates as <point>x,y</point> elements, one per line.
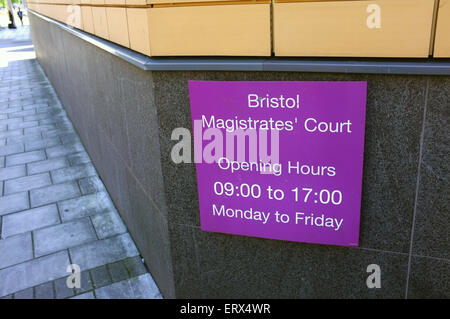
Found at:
<point>255,191</point>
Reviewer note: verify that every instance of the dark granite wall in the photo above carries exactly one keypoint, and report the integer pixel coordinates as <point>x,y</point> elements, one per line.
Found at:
<point>111,105</point>
<point>125,117</point>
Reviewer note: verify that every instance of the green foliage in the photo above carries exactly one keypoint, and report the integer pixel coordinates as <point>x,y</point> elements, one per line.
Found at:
<point>3,3</point>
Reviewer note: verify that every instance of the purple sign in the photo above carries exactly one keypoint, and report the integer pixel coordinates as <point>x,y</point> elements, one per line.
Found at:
<point>280,160</point>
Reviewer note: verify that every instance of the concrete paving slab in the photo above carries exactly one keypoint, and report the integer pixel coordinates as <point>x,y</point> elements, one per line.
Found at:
<point>29,220</point>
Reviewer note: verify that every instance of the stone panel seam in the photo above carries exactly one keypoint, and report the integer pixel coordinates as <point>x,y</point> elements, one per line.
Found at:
<point>421,141</point>
<point>432,258</point>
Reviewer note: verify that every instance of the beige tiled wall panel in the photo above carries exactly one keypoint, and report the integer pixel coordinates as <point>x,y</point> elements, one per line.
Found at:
<point>117,26</point>
<point>138,30</point>
<point>100,22</point>
<point>219,30</point>
<point>381,28</point>
<point>88,20</point>
<point>442,39</point>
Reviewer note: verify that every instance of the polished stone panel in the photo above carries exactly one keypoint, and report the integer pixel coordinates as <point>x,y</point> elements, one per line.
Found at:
<point>432,221</point>
<point>429,278</point>
<point>277,269</point>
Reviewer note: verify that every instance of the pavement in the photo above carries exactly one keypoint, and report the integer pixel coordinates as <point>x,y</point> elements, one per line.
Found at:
<point>61,236</point>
